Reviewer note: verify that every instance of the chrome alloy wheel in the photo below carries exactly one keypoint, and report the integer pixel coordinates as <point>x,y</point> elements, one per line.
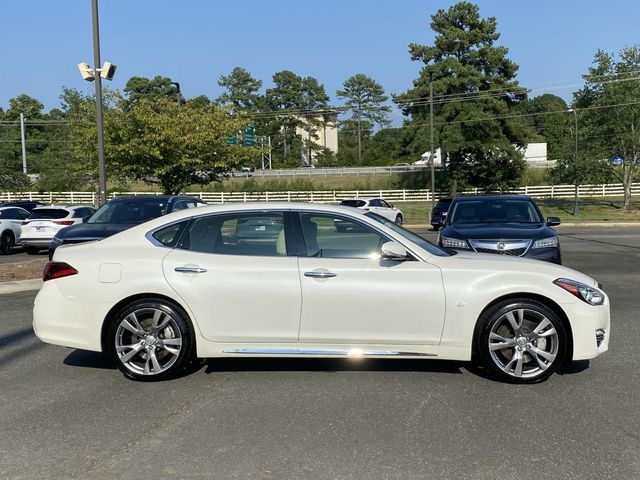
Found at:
<point>148,341</point>
<point>523,343</point>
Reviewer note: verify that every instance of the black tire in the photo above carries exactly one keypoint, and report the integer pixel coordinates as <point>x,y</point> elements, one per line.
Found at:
<point>7,242</point>
<point>32,250</point>
<point>528,354</point>
<point>435,228</point>
<point>139,365</point>
<point>399,219</point>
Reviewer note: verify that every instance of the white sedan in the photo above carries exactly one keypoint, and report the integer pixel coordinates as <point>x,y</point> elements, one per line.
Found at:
<point>376,205</point>
<point>280,280</point>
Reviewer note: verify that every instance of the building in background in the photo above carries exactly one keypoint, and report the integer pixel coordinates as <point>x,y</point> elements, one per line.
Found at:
<point>323,133</point>
<point>535,154</point>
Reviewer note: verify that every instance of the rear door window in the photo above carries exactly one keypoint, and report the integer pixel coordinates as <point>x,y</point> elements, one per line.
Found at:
<point>248,234</point>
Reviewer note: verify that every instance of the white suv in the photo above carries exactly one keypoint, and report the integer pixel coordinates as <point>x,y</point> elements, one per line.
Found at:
<point>44,222</point>
<point>376,205</point>
<point>10,222</point>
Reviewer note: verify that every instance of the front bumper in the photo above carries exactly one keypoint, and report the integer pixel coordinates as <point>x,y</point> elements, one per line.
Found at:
<point>588,323</point>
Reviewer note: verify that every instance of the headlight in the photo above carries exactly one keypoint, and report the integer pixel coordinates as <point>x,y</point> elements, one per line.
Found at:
<point>551,242</point>
<point>588,294</point>
<point>454,243</point>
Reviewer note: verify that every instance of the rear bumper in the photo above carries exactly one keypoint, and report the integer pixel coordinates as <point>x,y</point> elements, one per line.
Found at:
<point>67,321</point>
<point>36,242</point>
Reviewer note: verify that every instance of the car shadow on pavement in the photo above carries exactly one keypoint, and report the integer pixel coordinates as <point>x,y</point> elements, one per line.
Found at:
<point>330,365</point>
<point>85,358</point>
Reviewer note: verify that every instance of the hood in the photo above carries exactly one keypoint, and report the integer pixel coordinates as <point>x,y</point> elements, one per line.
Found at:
<point>498,231</point>
<point>488,261</point>
<point>91,231</point>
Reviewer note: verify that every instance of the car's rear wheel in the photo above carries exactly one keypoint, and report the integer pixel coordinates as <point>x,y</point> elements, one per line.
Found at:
<point>399,219</point>
<point>151,340</point>
<point>32,250</point>
<point>7,242</point>
<point>521,341</point>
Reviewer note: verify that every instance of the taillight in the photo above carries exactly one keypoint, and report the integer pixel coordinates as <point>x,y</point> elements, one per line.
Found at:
<point>63,222</point>
<point>53,270</point>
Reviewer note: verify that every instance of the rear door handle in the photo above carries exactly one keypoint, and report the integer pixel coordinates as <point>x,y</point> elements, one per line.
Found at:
<point>190,269</point>
<point>320,274</point>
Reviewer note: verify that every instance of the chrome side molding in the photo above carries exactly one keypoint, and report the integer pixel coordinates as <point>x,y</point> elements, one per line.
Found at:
<point>351,352</point>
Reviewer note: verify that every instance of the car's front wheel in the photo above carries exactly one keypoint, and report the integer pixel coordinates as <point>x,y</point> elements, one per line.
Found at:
<point>151,340</point>
<point>521,341</point>
<point>7,242</point>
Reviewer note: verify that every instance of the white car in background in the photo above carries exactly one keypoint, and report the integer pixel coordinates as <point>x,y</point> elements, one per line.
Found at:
<point>158,295</point>
<point>44,222</point>
<point>10,222</point>
<point>376,205</point>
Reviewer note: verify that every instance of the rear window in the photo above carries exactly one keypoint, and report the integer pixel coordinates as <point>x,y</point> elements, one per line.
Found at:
<point>42,213</point>
<point>353,203</point>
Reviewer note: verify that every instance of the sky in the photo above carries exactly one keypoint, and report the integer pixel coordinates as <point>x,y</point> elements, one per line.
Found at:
<point>196,41</point>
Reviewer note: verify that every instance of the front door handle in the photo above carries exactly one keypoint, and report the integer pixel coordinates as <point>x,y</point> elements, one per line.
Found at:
<point>190,269</point>
<point>320,274</point>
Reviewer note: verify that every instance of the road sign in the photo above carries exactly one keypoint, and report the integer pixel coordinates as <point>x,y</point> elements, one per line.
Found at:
<point>249,136</point>
<point>617,160</point>
<point>232,140</point>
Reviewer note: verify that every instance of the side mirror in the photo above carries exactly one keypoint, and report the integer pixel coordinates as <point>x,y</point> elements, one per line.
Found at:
<point>553,221</point>
<point>394,251</point>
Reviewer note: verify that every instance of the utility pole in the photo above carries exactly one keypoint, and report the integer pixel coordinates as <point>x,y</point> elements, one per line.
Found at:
<point>102,175</point>
<point>24,145</point>
<point>432,159</point>
<point>576,205</point>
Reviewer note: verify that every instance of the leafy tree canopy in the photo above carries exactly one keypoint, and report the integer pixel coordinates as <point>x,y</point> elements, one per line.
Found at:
<point>241,90</point>
<point>138,88</point>
<point>474,83</point>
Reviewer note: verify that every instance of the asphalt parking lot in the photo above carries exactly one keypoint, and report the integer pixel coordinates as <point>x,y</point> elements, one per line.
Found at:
<point>67,413</point>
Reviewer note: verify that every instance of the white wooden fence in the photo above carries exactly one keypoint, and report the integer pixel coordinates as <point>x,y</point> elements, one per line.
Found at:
<point>331,196</point>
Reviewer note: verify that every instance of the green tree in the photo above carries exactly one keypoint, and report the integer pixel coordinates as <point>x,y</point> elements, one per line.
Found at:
<point>294,103</point>
<point>474,84</point>
<point>160,142</point>
<point>547,115</point>
<point>139,88</point>
<point>609,114</point>
<point>365,99</point>
<point>241,91</point>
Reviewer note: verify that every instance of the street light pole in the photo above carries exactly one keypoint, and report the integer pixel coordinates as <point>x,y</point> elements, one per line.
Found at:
<point>576,205</point>
<point>24,145</point>
<point>433,169</point>
<point>102,175</point>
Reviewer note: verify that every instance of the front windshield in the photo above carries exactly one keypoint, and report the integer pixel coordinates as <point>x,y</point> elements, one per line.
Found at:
<point>494,211</point>
<point>133,212</point>
<point>409,235</point>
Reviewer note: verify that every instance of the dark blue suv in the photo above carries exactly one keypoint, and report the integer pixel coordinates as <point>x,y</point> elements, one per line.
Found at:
<point>500,224</point>
<point>119,214</point>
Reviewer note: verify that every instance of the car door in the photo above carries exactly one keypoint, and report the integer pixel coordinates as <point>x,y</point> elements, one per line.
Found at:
<point>14,218</point>
<point>388,211</point>
<point>234,272</point>
<point>350,295</point>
